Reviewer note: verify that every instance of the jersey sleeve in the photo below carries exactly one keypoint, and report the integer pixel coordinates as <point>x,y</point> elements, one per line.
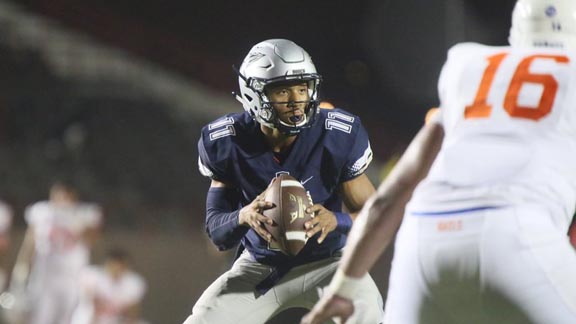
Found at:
<point>360,154</point>
<point>136,289</point>
<point>34,213</point>
<point>214,149</point>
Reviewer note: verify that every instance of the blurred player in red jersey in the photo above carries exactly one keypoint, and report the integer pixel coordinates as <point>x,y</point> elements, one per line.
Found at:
<point>491,186</point>
<point>56,247</point>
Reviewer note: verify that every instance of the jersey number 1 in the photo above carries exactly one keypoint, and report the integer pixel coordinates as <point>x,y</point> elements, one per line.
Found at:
<point>482,109</point>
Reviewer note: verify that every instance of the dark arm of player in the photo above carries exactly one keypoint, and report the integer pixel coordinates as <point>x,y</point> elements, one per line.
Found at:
<point>222,216</point>
<point>355,192</point>
<point>382,214</point>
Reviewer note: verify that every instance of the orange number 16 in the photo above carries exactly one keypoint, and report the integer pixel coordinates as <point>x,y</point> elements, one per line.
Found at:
<point>482,109</point>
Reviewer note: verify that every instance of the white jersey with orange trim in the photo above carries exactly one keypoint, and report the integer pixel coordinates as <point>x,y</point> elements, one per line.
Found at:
<point>509,117</point>
<point>115,295</point>
<point>58,231</point>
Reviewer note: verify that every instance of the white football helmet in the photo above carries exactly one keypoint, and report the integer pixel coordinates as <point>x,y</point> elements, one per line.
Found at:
<point>277,60</point>
<point>544,23</point>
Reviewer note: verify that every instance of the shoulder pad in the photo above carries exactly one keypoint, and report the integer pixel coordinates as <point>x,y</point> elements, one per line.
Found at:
<point>339,120</point>
<point>347,138</point>
<point>215,144</point>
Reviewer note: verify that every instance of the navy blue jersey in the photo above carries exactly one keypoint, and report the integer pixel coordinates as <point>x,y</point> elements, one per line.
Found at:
<point>335,149</point>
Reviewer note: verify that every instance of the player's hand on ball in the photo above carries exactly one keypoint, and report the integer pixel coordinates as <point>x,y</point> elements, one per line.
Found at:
<point>329,307</point>
<point>251,215</point>
<point>324,221</point>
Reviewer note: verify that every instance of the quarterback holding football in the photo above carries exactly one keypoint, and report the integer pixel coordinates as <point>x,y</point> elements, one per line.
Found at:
<point>281,132</point>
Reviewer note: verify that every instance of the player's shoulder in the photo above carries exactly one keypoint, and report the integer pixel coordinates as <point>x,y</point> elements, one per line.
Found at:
<point>134,282</point>
<point>328,113</point>
<point>338,122</point>
<point>222,132</point>
<point>39,206</point>
<point>135,279</point>
<point>219,137</point>
<point>90,210</point>
<point>471,49</point>
<point>470,46</point>
<point>5,209</point>
<point>344,135</point>
<point>227,125</point>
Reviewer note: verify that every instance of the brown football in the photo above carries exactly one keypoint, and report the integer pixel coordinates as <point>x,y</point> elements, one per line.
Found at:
<point>289,216</point>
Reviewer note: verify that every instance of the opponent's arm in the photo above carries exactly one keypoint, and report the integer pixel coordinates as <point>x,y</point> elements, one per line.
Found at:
<point>382,214</point>
<point>377,224</point>
<point>225,224</point>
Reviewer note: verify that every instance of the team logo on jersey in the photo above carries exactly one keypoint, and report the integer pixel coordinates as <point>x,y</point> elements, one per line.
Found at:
<point>303,182</point>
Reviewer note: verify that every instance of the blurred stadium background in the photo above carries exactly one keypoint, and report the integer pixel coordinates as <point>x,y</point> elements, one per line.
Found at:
<point>112,93</point>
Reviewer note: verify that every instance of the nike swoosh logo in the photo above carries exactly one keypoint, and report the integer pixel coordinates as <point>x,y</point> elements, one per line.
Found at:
<point>304,182</point>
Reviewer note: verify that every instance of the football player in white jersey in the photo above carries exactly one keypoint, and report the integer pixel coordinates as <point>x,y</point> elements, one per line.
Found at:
<point>56,247</point>
<point>110,294</point>
<point>491,185</point>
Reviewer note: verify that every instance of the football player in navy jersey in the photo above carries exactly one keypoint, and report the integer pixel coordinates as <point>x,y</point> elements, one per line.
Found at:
<point>282,130</point>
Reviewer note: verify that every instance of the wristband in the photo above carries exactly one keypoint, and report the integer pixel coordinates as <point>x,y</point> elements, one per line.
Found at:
<point>343,285</point>
<point>343,222</point>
